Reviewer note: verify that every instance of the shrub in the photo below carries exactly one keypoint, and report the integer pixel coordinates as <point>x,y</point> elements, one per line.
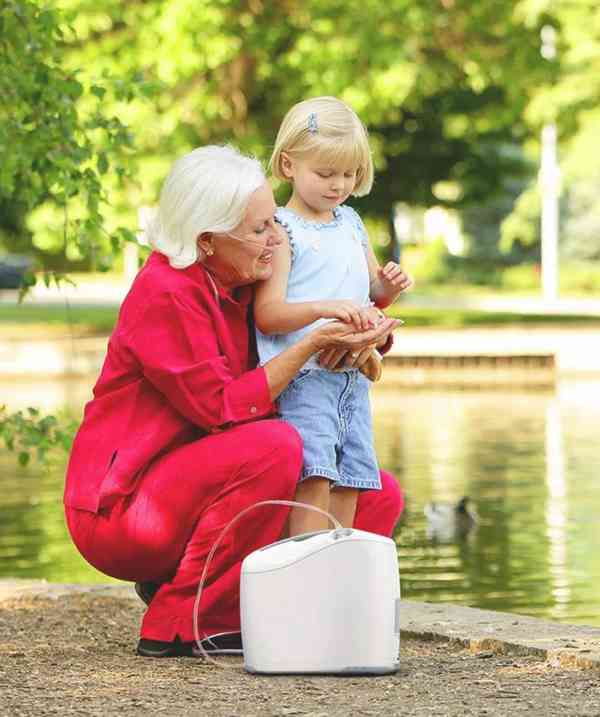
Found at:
<point>523,277</point>
<point>580,277</point>
<point>434,265</point>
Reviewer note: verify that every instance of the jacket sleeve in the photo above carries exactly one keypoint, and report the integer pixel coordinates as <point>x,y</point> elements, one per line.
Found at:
<point>178,349</point>
<point>387,345</point>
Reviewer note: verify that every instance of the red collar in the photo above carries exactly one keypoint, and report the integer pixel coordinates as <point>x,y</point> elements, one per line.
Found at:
<point>241,296</point>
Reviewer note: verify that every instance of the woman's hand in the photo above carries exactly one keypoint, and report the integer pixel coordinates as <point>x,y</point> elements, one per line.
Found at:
<point>336,339</point>
<point>337,358</point>
<point>361,317</point>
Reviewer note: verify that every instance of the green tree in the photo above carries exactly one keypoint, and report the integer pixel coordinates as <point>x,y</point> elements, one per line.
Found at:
<point>442,86</point>
<point>569,96</point>
<point>58,141</point>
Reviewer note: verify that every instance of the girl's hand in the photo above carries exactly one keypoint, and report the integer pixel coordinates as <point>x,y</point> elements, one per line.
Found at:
<point>375,315</point>
<point>393,277</point>
<point>361,317</point>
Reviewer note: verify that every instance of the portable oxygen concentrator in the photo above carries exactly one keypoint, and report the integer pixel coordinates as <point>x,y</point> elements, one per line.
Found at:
<point>324,602</point>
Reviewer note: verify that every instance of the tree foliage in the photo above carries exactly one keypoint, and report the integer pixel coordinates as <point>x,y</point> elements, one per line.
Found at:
<point>442,86</point>
<point>57,139</point>
<point>570,97</point>
<point>445,88</point>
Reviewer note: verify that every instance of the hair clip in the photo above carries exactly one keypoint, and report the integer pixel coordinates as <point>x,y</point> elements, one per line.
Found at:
<point>312,123</point>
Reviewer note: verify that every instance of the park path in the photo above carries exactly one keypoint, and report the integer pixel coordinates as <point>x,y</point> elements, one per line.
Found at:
<point>69,651</point>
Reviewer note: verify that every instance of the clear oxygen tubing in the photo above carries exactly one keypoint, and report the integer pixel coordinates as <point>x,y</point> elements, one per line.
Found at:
<point>216,544</point>
<point>257,242</point>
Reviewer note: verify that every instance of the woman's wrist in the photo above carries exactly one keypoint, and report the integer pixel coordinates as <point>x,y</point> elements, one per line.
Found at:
<point>281,369</point>
<point>312,343</point>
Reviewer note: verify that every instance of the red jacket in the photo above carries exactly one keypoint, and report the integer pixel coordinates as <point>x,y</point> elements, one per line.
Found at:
<point>178,367</point>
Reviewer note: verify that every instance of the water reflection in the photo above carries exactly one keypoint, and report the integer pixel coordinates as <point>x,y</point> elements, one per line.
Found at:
<point>556,509</point>
<point>58,394</point>
<point>526,459</point>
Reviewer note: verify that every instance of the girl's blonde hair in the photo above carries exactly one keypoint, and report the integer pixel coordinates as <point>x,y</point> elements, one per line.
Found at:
<point>327,129</point>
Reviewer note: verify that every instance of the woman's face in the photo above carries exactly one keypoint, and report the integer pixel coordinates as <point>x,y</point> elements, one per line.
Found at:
<point>244,255</point>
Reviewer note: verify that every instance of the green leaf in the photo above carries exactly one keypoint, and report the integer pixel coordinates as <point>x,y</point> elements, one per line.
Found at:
<point>102,163</point>
<point>98,91</point>
<point>127,235</point>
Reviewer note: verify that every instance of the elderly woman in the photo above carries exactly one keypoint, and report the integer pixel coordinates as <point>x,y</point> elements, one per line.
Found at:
<point>182,432</point>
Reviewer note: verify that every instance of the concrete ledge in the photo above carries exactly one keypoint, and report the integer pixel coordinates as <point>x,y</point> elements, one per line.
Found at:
<point>503,633</point>
<point>575,349</point>
<point>481,631</point>
<point>481,370</point>
<point>13,589</point>
<point>79,356</point>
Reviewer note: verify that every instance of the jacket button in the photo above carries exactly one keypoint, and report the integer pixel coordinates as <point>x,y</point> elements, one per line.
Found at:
<point>252,409</point>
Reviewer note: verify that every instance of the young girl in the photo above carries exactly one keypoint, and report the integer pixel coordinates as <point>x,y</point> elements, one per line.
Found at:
<point>325,269</point>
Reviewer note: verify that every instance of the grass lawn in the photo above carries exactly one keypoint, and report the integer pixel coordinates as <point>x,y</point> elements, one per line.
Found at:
<point>457,318</point>
<point>27,320</point>
<point>54,320</point>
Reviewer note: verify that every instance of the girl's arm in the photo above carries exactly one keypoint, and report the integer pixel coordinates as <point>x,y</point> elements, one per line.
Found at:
<point>274,315</point>
<point>387,282</point>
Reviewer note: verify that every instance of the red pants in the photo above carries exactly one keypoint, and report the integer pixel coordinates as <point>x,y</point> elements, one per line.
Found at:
<point>165,529</point>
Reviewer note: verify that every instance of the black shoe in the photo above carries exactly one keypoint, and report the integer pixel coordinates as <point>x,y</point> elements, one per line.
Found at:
<point>156,648</point>
<point>227,643</point>
<point>146,591</point>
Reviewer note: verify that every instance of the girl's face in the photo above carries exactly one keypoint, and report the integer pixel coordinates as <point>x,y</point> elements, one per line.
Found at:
<point>319,186</point>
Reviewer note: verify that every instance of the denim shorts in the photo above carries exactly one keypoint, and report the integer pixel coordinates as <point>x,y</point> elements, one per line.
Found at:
<point>331,411</point>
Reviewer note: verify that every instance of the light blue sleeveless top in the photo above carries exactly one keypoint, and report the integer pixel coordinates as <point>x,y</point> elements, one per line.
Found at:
<point>328,261</point>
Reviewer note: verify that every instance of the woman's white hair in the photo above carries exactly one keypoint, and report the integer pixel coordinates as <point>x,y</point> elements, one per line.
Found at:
<point>207,190</point>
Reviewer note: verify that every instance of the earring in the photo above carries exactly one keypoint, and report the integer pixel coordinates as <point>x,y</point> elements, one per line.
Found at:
<point>209,252</point>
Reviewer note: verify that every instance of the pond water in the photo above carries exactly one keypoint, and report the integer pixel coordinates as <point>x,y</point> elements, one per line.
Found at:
<point>528,460</point>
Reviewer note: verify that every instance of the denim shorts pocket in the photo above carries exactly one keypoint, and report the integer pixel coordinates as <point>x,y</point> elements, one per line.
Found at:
<point>297,381</point>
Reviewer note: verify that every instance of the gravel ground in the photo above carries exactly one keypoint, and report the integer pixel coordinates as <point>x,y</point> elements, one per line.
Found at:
<point>75,656</point>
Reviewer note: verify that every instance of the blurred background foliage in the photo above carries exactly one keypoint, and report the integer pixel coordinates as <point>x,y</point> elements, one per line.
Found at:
<point>97,98</point>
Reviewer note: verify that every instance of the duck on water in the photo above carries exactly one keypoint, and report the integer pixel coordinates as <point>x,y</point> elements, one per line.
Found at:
<point>448,521</point>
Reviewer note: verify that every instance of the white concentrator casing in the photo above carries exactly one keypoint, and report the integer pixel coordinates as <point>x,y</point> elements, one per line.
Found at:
<point>325,602</point>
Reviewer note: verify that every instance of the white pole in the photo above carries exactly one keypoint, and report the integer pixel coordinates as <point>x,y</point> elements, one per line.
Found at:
<point>550,189</point>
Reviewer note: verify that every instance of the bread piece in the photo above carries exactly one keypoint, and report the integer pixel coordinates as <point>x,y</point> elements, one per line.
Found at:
<point>372,368</point>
